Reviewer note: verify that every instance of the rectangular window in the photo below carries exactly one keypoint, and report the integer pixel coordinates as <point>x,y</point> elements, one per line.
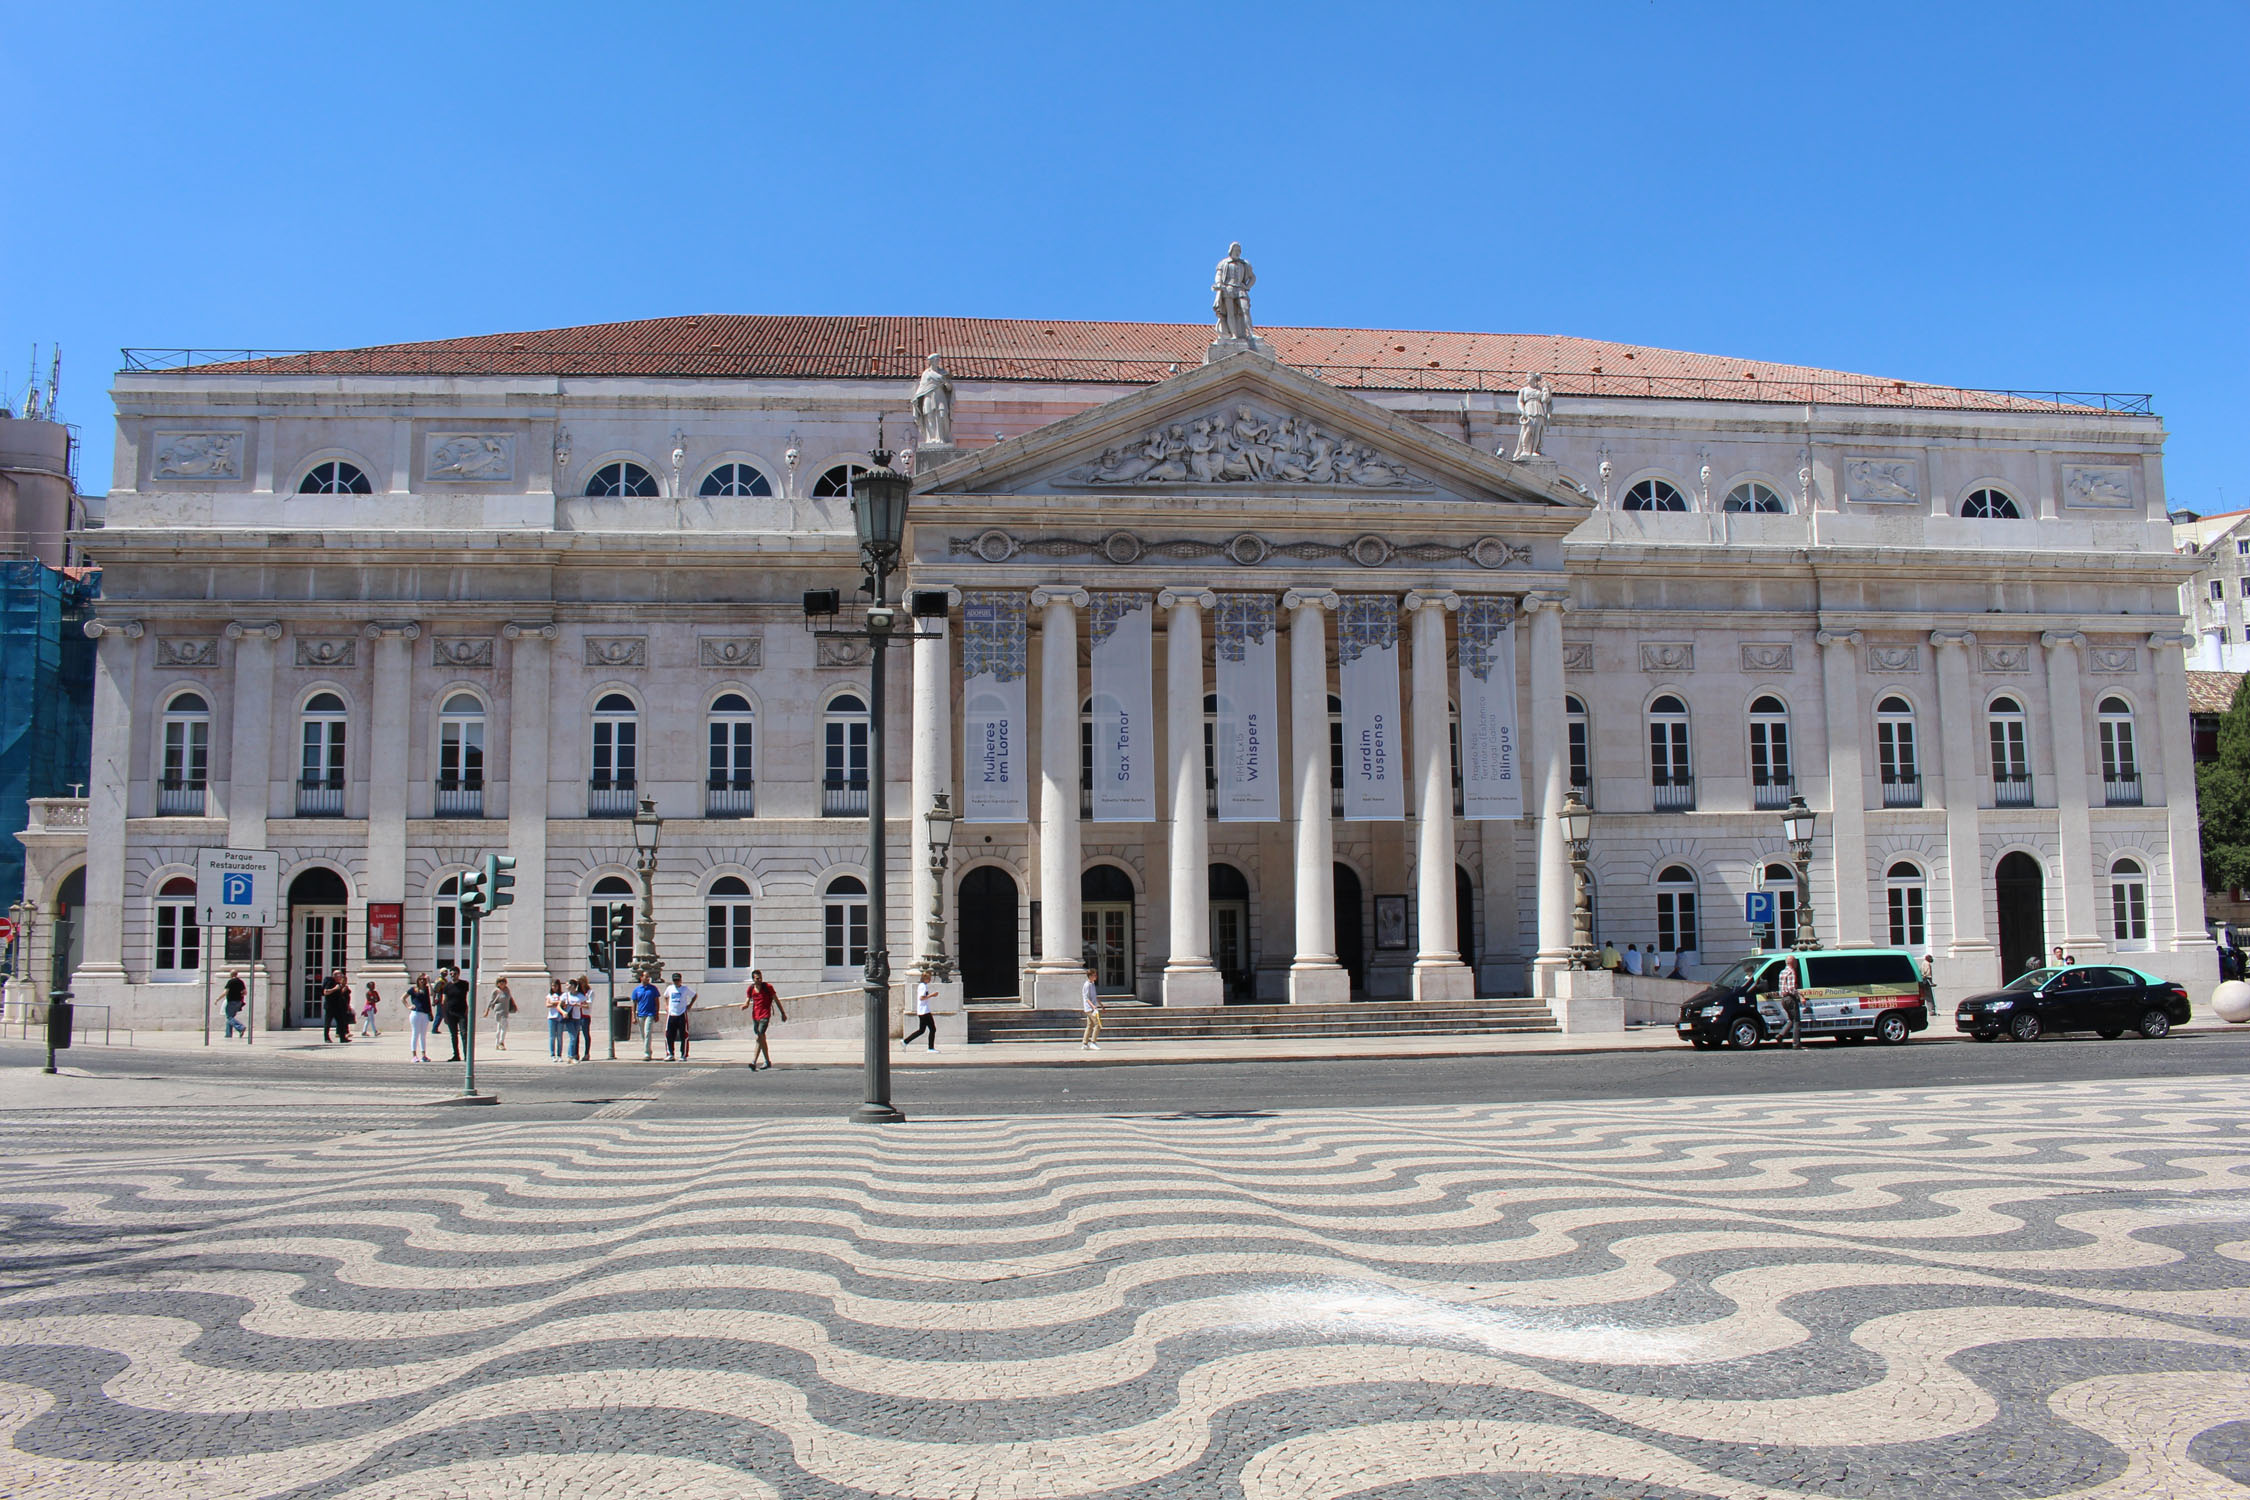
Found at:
<point>730,754</point>
<point>2119,763</point>
<point>2218,588</point>
<point>447,947</point>
<point>2243,584</point>
<point>1668,753</point>
<point>616,752</point>
<point>1907,929</point>
<point>845,936</point>
<point>726,935</point>
<point>1894,750</point>
<point>2242,547</point>
<point>1581,759</point>
<point>847,753</point>
<point>178,940</point>
<point>2010,759</point>
<point>2128,911</point>
<point>461,755</point>
<point>187,753</point>
<point>1782,933</point>
<point>1769,753</point>
<point>1675,922</point>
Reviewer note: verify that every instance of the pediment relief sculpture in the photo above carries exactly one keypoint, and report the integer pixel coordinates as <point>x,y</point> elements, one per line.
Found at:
<point>197,455</point>
<point>1243,445</point>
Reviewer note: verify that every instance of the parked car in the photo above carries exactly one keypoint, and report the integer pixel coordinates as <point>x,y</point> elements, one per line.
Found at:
<point>1846,993</point>
<point>2106,999</point>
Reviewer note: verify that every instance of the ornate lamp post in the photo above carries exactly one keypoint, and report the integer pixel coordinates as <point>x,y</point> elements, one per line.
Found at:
<point>940,817</point>
<point>648,829</point>
<point>22,913</point>
<point>1797,827</point>
<point>1578,833</point>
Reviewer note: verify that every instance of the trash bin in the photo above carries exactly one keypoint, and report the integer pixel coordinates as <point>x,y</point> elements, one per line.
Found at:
<point>621,1021</point>
<point>59,1017</point>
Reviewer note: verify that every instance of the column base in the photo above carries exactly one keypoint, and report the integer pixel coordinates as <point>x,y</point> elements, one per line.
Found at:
<point>1444,980</point>
<point>1058,989</point>
<point>95,984</point>
<point>1194,987</point>
<point>1319,984</point>
<point>1586,1000</point>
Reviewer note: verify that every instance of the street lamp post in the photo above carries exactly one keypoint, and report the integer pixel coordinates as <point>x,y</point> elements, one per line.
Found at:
<point>648,830</point>
<point>22,914</point>
<point>1578,833</point>
<point>940,818</point>
<point>1797,827</point>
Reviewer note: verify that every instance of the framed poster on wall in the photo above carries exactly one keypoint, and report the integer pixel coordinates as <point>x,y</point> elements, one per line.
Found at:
<point>385,937</point>
<point>1390,921</point>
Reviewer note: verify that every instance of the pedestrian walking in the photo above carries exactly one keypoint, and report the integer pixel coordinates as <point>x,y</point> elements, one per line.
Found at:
<point>421,1012</point>
<point>335,1004</point>
<point>502,1006</point>
<point>1787,994</point>
<point>369,1004</point>
<point>237,994</point>
<point>679,999</point>
<point>645,1003</point>
<point>1091,998</point>
<point>924,1022</point>
<point>760,999</point>
<point>453,998</point>
<point>556,1016</point>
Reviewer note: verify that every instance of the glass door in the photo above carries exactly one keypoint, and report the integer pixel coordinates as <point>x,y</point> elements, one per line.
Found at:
<point>1108,933</point>
<point>322,947</point>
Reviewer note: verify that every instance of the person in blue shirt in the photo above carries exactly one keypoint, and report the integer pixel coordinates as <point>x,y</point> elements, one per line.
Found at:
<point>645,1001</point>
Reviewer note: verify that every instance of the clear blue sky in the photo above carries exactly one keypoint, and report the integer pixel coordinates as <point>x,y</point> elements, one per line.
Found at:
<point>2028,195</point>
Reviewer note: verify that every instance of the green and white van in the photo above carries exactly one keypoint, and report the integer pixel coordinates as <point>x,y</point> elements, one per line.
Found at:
<point>1845,993</point>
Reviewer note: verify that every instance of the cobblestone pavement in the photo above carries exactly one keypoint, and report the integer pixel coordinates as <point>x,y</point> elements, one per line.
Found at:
<point>1976,1292</point>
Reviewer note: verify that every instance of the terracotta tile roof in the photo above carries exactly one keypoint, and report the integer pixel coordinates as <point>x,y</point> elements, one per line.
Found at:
<point>2212,692</point>
<point>1030,349</point>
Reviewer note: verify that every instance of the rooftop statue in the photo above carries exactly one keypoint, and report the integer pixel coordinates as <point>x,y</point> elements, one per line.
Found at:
<point>933,407</point>
<point>1535,403</point>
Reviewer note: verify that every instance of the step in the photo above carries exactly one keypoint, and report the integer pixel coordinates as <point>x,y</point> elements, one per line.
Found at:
<point>1136,1021</point>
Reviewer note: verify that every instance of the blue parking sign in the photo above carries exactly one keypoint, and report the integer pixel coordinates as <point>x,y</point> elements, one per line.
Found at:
<point>1758,908</point>
<point>234,889</point>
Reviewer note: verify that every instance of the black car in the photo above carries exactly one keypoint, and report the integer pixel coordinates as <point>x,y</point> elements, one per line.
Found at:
<point>2106,999</point>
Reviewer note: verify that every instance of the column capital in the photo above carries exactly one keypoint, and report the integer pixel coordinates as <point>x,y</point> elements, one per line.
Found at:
<point>543,630</point>
<point>2178,640</point>
<point>1199,598</point>
<point>1838,637</point>
<point>1297,599</point>
<point>1962,638</point>
<point>132,630</point>
<point>242,629</point>
<point>1058,593</point>
<point>2054,639</point>
<point>404,629</point>
<point>1440,599</point>
<point>1557,600</point>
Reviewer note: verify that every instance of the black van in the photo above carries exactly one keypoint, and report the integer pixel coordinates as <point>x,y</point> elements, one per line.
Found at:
<point>1845,993</point>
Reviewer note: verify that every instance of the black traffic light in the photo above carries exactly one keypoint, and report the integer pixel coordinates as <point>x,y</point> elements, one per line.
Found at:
<point>620,935</point>
<point>473,896</point>
<point>499,881</point>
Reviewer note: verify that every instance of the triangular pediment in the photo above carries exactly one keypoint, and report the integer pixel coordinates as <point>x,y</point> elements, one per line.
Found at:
<point>1245,425</point>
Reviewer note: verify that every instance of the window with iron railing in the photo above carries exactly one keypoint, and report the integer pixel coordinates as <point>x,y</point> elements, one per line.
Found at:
<point>1897,758</point>
<point>729,788</point>
<point>2121,766</point>
<point>1771,782</point>
<point>186,762</point>
<point>1671,776</point>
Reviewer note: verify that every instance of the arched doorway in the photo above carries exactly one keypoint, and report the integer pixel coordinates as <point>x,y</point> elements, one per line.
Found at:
<point>1464,917</point>
<point>1230,933</point>
<point>319,940</point>
<point>1351,926</point>
<point>2020,885</point>
<point>986,938</point>
<point>1105,919</point>
<point>66,942</point>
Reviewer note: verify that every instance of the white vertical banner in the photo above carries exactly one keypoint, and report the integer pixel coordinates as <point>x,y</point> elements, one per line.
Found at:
<point>1125,752</point>
<point>995,662</point>
<point>1491,767</point>
<point>1367,678</point>
<point>1247,745</point>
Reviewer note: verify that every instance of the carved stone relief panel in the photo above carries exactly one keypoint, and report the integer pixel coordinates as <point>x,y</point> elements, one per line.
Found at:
<point>461,651</point>
<point>2005,658</point>
<point>187,651</point>
<point>1778,656</point>
<point>196,455</point>
<point>1894,658</point>
<point>744,653</point>
<point>835,652</point>
<point>2098,486</point>
<point>1882,480</point>
<point>617,651</point>
<point>2113,658</point>
<point>480,457</point>
<point>1667,656</point>
<point>1242,445</point>
<point>1578,656</point>
<point>313,651</point>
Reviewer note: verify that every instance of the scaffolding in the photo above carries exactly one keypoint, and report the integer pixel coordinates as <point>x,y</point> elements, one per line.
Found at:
<point>46,697</point>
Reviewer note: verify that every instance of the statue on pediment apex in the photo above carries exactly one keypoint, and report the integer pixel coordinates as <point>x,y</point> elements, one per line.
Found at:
<point>1230,294</point>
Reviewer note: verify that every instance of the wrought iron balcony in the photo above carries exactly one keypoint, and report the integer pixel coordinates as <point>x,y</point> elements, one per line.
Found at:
<point>1771,791</point>
<point>610,796</point>
<point>179,797</point>
<point>2011,791</point>
<point>460,797</point>
<point>843,798</point>
<point>1673,793</point>
<point>320,797</point>
<point>2121,791</point>
<point>729,797</point>
<point>1902,791</point>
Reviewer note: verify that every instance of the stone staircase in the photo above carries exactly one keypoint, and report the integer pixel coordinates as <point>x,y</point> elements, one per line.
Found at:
<point>1130,1020</point>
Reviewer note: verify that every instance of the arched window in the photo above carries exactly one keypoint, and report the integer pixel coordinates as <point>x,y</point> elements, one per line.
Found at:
<point>2011,753</point>
<point>179,944</point>
<point>616,768</point>
<point>1904,889</point>
<point>334,478</point>
<point>2128,904</point>
<point>735,479</point>
<point>1771,781</point>
<point>726,928</point>
<point>1654,494</point>
<point>844,927</point>
<point>460,780</point>
<point>186,769</point>
<point>835,483</point>
<point>1581,747</point>
<point>1896,757</point>
<point>621,478</point>
<point>612,894</point>
<point>320,773</point>
<point>449,948</point>
<point>1781,881</point>
<point>1757,499</point>
<point>843,779</point>
<point>1676,929</point>
<point>2121,763</point>
<point>729,787</point>
<point>1990,505</point>
<point>1670,770</point>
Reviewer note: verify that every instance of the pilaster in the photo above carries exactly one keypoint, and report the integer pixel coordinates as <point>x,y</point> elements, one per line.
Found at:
<point>1847,786</point>
<point>1976,963</point>
<point>2185,863</point>
<point>388,748</point>
<point>101,975</point>
<point>2066,709</point>
<point>250,746</point>
<point>530,662</point>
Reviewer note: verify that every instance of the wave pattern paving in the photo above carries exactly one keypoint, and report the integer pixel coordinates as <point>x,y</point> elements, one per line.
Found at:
<point>1979,1292</point>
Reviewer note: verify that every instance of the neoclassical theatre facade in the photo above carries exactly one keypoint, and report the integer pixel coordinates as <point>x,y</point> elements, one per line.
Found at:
<point>1259,671</point>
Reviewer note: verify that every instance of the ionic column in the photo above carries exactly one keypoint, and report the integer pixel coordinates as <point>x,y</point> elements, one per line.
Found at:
<point>1847,786</point>
<point>529,663</point>
<point>2185,860</point>
<point>1060,970</point>
<point>932,767</point>
<point>388,738</point>
<point>1439,973</point>
<point>1964,852</point>
<point>1550,759</point>
<point>2066,708</point>
<point>1189,978</point>
<point>101,977</point>
<point>1315,978</point>
<point>250,744</point>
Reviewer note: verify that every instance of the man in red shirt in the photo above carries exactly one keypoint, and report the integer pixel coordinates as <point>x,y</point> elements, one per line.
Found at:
<point>763,1005</point>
